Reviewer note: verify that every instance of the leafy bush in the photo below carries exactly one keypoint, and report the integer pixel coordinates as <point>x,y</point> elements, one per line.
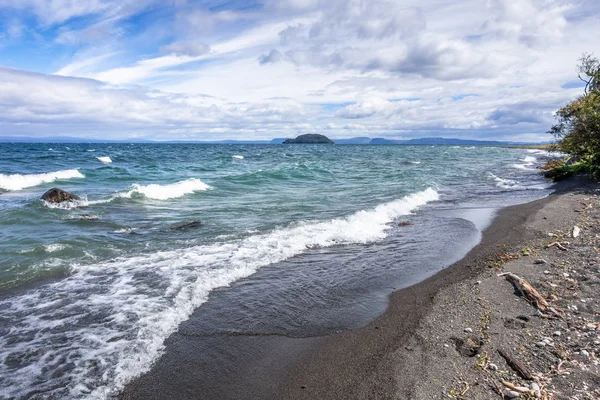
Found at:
<point>578,129</point>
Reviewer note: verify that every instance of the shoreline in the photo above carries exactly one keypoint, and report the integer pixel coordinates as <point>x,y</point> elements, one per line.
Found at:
<point>360,363</point>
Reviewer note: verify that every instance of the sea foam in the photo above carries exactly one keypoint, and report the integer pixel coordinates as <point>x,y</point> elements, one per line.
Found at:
<point>20,182</point>
<point>105,160</point>
<point>506,183</point>
<point>165,192</point>
<point>134,314</point>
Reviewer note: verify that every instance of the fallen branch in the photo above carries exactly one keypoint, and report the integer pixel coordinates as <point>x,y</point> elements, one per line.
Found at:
<point>520,389</point>
<point>516,365</point>
<point>530,294</point>
<point>527,291</point>
<point>559,245</point>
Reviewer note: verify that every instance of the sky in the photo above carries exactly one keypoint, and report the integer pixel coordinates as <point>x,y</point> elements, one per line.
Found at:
<point>261,69</point>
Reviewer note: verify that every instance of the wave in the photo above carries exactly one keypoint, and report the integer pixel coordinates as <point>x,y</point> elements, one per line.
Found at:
<point>539,151</point>
<point>506,183</point>
<point>529,159</point>
<point>239,157</point>
<point>165,192</point>
<point>20,182</point>
<point>139,301</point>
<point>54,247</point>
<point>153,191</point>
<point>105,160</point>
<point>523,167</point>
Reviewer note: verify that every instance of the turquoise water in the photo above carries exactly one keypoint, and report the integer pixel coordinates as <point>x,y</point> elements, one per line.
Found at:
<point>90,289</point>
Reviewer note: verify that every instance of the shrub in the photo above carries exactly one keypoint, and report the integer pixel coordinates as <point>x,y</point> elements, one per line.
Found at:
<point>578,129</point>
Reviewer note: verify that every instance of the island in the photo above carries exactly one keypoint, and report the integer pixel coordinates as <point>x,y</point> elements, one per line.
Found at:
<point>311,138</point>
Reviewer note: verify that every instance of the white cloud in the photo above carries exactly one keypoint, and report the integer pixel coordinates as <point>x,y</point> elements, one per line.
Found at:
<point>93,106</point>
<point>353,67</point>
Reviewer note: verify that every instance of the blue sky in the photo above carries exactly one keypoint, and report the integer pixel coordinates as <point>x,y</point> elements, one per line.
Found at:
<point>257,69</point>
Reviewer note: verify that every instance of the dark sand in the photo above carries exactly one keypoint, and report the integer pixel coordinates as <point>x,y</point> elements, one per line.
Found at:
<point>406,353</point>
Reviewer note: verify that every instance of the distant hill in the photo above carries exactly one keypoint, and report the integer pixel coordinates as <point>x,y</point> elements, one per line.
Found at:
<point>386,141</point>
<point>445,141</point>
<point>433,141</point>
<point>354,140</point>
<point>310,138</point>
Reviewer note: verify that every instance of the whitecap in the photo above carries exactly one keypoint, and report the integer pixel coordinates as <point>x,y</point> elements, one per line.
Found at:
<point>152,191</point>
<point>522,166</point>
<point>54,247</point>
<point>165,192</point>
<point>133,315</point>
<point>238,157</point>
<point>105,160</point>
<point>125,230</point>
<point>91,150</point>
<point>20,182</point>
<point>505,183</point>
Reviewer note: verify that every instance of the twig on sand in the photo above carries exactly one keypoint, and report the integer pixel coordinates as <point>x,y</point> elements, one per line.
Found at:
<point>559,245</point>
<point>516,365</point>
<point>519,389</point>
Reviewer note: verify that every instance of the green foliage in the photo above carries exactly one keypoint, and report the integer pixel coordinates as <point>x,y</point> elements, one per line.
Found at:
<point>564,171</point>
<point>578,129</point>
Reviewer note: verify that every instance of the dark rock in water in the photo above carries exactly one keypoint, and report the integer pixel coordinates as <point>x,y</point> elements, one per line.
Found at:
<point>55,195</point>
<point>572,160</point>
<point>189,225</point>
<point>311,138</point>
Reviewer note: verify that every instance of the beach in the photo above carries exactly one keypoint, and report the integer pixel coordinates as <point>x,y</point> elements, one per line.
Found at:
<point>413,350</point>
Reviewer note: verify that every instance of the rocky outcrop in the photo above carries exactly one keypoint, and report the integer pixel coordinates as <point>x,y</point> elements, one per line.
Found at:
<point>311,138</point>
<point>55,195</point>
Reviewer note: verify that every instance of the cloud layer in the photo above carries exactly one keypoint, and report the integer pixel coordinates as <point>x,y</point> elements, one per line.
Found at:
<point>244,69</point>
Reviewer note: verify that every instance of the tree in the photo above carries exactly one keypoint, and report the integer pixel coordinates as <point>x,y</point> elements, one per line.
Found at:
<point>589,72</point>
<point>578,129</point>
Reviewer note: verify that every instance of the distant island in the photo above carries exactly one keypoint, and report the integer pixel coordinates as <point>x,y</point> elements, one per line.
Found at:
<point>310,138</point>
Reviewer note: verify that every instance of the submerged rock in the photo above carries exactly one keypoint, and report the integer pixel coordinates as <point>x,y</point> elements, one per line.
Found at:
<point>56,195</point>
<point>190,225</point>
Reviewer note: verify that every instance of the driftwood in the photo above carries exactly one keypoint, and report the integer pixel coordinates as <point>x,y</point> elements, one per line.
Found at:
<point>527,291</point>
<point>559,245</point>
<point>516,365</point>
<point>520,389</point>
<point>532,295</point>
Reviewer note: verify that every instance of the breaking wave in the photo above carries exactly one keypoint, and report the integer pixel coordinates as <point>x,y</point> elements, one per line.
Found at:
<point>20,182</point>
